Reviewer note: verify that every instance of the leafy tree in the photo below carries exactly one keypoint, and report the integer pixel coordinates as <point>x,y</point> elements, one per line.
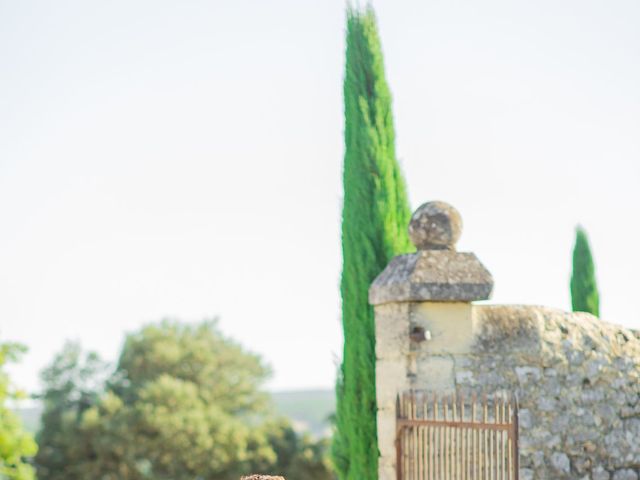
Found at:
<point>73,383</point>
<point>223,372</point>
<point>183,403</point>
<point>15,444</point>
<point>298,456</point>
<point>374,229</point>
<point>584,289</point>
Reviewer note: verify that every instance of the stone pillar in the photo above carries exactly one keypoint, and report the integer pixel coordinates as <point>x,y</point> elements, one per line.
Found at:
<point>424,317</point>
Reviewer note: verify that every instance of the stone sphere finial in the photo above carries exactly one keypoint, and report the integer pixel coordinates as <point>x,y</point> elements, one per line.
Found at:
<point>435,226</point>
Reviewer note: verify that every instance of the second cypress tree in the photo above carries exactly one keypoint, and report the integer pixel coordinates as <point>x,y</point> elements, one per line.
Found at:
<point>374,229</point>
<point>584,290</point>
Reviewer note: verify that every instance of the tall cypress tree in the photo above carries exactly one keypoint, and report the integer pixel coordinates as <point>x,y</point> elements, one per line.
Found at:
<point>584,290</point>
<point>374,229</point>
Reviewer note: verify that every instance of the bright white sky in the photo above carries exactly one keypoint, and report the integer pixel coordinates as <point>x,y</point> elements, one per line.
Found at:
<point>183,159</point>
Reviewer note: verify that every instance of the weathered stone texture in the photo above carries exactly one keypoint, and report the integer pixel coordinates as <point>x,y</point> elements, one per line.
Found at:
<point>432,275</point>
<point>435,226</point>
<point>436,272</point>
<point>578,382</point>
<point>577,378</point>
<point>392,364</point>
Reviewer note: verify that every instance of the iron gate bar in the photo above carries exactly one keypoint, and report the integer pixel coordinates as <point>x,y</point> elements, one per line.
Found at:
<point>401,423</point>
<point>454,445</point>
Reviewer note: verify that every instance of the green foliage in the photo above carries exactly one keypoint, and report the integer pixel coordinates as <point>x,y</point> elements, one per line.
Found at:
<point>298,456</point>
<point>224,373</point>
<point>584,289</point>
<point>183,403</point>
<point>15,444</point>
<point>374,229</point>
<point>73,383</point>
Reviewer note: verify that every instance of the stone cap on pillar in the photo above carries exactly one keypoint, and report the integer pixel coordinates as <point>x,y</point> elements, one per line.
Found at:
<point>436,272</point>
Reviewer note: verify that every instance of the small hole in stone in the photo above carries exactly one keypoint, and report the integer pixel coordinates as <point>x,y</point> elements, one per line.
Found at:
<point>417,334</point>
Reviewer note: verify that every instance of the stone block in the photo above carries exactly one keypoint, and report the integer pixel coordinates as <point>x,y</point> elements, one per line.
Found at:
<point>386,470</point>
<point>600,473</point>
<point>625,474</point>
<point>391,380</point>
<point>560,463</point>
<point>435,374</point>
<point>387,432</point>
<point>392,330</point>
<point>432,275</point>
<point>451,327</point>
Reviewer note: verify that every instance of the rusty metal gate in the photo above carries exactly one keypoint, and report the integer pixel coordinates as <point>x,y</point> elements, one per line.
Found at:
<point>453,438</point>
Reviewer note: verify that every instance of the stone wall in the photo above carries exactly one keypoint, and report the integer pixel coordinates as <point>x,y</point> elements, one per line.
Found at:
<point>578,382</point>
<point>577,378</point>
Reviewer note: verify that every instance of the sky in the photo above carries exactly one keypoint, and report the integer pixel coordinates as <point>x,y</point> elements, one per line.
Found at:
<point>163,159</point>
